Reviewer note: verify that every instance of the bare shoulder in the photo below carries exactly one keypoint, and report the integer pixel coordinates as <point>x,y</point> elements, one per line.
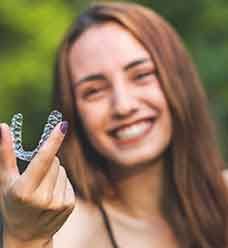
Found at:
<point>82,227</point>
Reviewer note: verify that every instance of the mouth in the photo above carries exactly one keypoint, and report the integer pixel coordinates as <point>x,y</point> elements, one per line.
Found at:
<point>133,133</point>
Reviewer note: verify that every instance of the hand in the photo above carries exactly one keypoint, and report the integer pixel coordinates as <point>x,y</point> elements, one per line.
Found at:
<point>35,204</point>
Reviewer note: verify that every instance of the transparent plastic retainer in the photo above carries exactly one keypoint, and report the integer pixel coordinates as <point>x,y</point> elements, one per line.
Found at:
<point>16,129</point>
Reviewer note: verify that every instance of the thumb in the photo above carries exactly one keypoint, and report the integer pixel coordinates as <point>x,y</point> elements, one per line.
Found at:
<point>8,162</point>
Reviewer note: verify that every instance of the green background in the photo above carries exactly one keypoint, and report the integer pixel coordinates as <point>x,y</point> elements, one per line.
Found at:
<point>31,30</point>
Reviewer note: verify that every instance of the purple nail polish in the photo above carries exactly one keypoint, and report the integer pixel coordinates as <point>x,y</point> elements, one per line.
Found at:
<point>64,126</point>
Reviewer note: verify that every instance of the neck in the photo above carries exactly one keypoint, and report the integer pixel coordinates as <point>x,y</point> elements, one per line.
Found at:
<point>139,191</point>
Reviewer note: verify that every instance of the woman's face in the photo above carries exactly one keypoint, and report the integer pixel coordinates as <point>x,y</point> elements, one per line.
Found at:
<point>118,96</point>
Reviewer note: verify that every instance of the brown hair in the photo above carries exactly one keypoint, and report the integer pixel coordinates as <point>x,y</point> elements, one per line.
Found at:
<point>195,197</point>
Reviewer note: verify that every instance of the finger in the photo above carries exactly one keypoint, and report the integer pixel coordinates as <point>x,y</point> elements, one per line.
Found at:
<point>45,190</point>
<point>40,164</point>
<point>59,190</point>
<point>8,162</point>
<point>69,195</point>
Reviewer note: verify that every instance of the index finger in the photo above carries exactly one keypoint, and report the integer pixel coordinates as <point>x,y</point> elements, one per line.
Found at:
<point>40,164</point>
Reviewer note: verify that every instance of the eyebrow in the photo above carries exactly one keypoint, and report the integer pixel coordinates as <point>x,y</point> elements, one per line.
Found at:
<point>135,63</point>
<point>95,77</point>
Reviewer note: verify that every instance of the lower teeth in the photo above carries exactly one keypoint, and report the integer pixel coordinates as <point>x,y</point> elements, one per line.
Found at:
<point>131,136</point>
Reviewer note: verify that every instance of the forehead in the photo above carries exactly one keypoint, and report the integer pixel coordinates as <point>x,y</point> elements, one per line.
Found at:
<point>104,46</point>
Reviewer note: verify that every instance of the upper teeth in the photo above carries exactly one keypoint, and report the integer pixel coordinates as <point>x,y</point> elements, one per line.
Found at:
<point>133,131</point>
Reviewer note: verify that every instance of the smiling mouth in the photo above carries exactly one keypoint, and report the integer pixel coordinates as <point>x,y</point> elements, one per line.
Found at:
<point>133,133</point>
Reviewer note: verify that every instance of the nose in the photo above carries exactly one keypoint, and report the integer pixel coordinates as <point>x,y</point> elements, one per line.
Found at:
<point>123,102</point>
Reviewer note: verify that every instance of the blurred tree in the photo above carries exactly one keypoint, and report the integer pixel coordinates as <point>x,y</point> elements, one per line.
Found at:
<point>30,31</point>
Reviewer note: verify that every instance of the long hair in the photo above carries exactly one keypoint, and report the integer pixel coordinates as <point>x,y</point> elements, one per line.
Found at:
<point>194,196</point>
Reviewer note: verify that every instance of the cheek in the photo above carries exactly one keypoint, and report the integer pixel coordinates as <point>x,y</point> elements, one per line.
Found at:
<point>154,95</point>
<point>93,116</point>
<point>156,99</point>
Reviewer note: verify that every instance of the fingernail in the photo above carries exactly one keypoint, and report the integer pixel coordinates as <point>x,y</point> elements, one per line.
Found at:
<point>64,126</point>
<point>0,133</point>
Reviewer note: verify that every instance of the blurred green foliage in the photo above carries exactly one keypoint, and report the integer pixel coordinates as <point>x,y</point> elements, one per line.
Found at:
<point>30,32</point>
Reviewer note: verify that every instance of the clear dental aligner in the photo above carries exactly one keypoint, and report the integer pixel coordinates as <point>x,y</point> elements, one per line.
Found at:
<point>16,129</point>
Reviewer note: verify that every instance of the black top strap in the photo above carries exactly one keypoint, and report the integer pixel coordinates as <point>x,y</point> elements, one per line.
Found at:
<point>108,226</point>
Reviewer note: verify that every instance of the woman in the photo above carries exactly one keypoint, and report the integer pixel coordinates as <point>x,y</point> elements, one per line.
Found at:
<point>140,151</point>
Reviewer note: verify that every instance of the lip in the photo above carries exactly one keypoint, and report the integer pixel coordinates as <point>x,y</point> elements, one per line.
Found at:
<point>133,141</point>
<point>116,128</point>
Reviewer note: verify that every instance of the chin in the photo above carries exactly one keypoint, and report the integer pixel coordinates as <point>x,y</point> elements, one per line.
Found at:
<point>135,160</point>
<point>142,155</point>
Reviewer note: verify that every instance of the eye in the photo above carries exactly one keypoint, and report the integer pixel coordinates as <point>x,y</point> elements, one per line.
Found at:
<point>92,93</point>
<point>141,76</point>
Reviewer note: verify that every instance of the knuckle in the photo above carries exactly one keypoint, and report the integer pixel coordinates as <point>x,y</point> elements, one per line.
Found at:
<point>55,140</point>
<point>56,207</point>
<point>20,196</point>
<point>59,206</point>
<point>55,165</point>
<point>58,139</point>
<point>43,200</point>
<point>41,159</point>
<point>62,171</point>
<point>70,204</point>
<point>56,160</point>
